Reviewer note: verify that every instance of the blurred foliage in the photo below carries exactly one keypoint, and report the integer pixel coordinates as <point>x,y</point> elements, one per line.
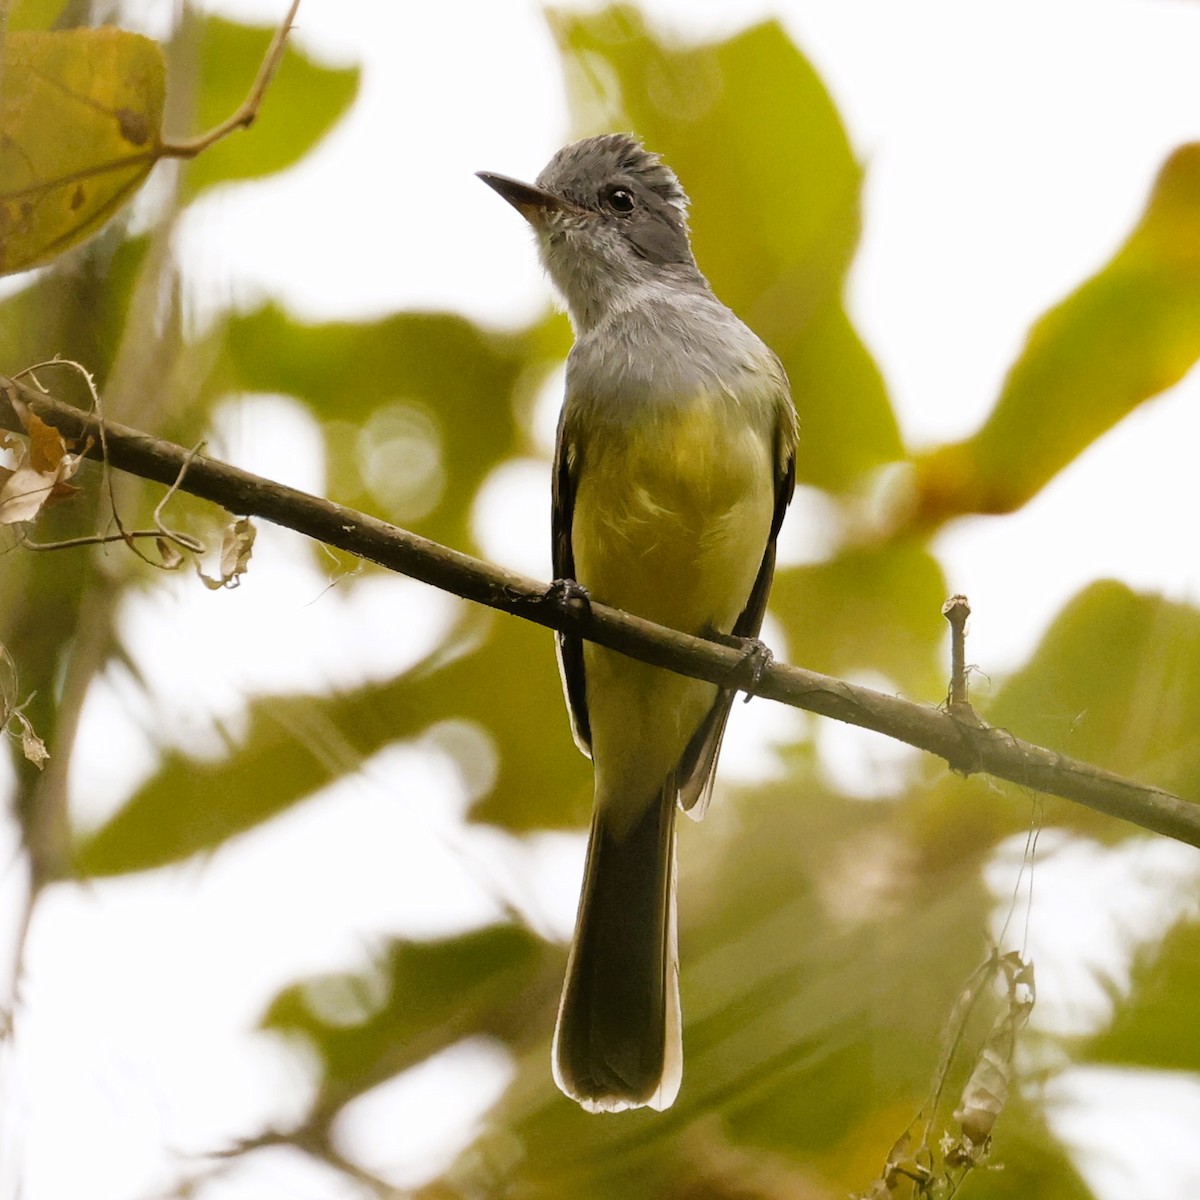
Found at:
<point>824,942</point>
<point>304,102</point>
<point>428,428</point>
<point>34,14</point>
<point>1116,682</point>
<point>1127,334</point>
<point>1152,1027</point>
<point>292,746</point>
<point>420,998</point>
<point>896,586</point>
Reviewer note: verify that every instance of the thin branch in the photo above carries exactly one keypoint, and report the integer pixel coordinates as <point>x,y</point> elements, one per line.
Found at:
<point>245,115</point>
<point>93,539</point>
<point>966,745</point>
<point>956,610</point>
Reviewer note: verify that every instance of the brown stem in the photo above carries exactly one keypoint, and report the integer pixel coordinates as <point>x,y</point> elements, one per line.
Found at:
<point>246,113</point>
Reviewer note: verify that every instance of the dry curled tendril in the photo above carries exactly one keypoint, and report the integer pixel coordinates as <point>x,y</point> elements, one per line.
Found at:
<point>933,1156</point>
<point>13,720</point>
<point>44,463</point>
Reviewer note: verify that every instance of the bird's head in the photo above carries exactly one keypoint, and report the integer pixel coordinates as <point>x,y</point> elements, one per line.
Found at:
<point>610,217</point>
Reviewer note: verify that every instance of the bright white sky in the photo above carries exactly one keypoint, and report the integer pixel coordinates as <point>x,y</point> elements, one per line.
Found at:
<point>1009,149</point>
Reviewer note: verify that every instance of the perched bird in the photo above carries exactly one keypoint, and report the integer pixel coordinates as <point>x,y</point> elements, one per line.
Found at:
<point>675,461</point>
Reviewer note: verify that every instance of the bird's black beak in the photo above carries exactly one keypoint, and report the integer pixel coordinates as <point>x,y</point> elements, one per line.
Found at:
<point>533,203</point>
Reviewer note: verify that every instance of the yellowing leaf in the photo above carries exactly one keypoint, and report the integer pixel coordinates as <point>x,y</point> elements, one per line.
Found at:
<point>1127,334</point>
<point>46,446</point>
<point>80,117</point>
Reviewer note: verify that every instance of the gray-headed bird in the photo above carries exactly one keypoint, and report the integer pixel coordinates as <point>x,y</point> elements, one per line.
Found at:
<point>675,461</point>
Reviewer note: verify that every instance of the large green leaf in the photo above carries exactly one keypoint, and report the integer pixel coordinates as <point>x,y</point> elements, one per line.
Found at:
<point>454,394</point>
<point>874,608</point>
<point>419,998</point>
<point>295,745</point>
<point>775,205</point>
<point>305,100</point>
<point>1156,1026</point>
<point>1116,682</point>
<point>1127,334</point>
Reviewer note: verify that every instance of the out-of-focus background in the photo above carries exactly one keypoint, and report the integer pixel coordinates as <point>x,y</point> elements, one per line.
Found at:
<point>285,913</point>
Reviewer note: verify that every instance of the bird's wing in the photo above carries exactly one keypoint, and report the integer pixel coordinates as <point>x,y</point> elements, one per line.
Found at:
<point>570,647</point>
<point>750,622</point>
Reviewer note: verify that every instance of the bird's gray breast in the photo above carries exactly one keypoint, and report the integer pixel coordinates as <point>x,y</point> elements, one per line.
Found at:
<point>664,352</point>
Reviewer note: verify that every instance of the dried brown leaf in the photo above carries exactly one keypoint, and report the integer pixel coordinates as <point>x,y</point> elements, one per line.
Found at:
<point>236,548</point>
<point>44,464</point>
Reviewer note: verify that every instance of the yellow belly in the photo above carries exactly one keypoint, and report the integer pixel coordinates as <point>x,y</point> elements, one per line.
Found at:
<point>671,521</point>
<point>672,517</point>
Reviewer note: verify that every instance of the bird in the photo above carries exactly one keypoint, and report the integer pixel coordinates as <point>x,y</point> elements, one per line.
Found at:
<point>675,460</point>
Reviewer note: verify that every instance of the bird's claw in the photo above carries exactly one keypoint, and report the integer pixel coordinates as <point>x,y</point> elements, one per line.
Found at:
<point>568,595</point>
<point>756,658</point>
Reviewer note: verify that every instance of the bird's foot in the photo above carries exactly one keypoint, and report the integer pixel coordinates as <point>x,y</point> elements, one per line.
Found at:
<point>569,595</point>
<point>756,658</point>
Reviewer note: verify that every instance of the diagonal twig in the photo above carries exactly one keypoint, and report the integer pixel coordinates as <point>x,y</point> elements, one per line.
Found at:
<point>247,111</point>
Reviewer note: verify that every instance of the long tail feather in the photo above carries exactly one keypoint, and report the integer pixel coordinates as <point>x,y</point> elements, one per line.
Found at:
<point>618,1041</point>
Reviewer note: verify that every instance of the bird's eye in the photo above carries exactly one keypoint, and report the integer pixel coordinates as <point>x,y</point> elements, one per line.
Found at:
<point>619,199</point>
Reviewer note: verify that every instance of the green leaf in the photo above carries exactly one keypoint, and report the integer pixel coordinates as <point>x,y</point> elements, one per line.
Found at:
<point>1127,334</point>
<point>511,688</point>
<point>34,14</point>
<point>1115,682</point>
<point>875,608</point>
<point>80,116</point>
<point>1155,1026</point>
<point>296,745</point>
<point>453,395</point>
<point>775,205</point>
<point>293,746</point>
<point>305,100</point>
<point>419,998</point>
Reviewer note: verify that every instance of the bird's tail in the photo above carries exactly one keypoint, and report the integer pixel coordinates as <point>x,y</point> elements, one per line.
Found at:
<point>618,1041</point>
